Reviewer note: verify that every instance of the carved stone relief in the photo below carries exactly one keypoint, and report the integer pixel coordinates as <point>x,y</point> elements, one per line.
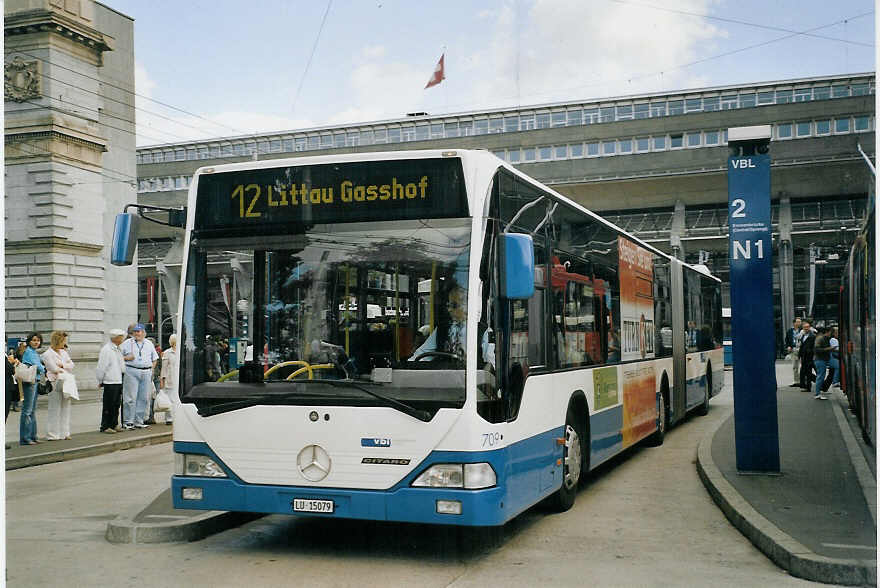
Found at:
<point>22,80</point>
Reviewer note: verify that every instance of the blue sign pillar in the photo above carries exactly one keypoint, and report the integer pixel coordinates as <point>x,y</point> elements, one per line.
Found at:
<point>751,298</point>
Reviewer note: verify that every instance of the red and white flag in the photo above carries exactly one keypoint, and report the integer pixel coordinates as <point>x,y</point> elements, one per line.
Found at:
<point>438,75</point>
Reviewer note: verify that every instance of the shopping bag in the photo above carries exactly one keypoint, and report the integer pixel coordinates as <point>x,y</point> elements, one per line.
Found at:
<point>26,373</point>
<point>162,402</point>
<point>68,386</point>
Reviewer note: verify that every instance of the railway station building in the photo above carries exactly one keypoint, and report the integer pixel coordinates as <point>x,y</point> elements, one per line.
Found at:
<point>654,164</point>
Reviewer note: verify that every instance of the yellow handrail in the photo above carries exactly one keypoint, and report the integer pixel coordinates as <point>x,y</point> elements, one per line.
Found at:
<point>306,367</point>
<point>278,366</point>
<point>309,368</point>
<point>228,375</point>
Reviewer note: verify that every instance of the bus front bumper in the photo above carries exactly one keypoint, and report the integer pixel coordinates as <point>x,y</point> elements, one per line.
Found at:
<point>415,505</point>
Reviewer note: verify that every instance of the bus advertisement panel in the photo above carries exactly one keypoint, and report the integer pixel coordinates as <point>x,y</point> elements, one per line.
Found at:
<point>636,300</point>
<point>637,342</point>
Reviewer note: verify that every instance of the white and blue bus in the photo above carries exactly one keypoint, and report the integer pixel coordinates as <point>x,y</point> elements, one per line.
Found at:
<point>435,337</point>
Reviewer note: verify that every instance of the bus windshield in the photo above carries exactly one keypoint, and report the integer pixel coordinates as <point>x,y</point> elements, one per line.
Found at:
<point>379,305</point>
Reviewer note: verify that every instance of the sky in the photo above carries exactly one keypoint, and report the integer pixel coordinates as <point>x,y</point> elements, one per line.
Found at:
<point>216,68</point>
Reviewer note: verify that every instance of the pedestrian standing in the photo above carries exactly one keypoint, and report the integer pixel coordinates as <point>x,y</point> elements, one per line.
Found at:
<point>140,359</point>
<point>57,361</point>
<point>16,393</point>
<point>27,424</point>
<point>168,380</point>
<point>109,372</point>
<point>821,358</point>
<point>11,386</point>
<point>154,384</point>
<point>792,338</point>
<point>808,338</point>
<point>833,379</point>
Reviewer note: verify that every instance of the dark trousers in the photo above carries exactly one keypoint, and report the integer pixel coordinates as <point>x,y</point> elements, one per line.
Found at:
<point>807,377</point>
<point>112,400</point>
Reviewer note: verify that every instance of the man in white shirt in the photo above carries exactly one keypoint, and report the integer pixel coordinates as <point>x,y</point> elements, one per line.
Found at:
<point>140,359</point>
<point>109,374</point>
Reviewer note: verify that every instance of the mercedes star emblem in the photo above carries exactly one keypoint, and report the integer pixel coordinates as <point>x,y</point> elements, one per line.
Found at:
<point>314,463</point>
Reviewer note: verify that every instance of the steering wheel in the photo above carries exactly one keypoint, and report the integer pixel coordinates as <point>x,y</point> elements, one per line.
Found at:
<point>437,354</point>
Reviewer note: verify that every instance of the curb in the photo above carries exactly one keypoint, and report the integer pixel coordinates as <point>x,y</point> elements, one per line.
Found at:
<point>860,464</point>
<point>124,529</point>
<point>25,461</point>
<point>780,547</point>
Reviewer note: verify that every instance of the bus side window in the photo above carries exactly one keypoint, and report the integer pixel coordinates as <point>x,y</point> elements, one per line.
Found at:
<point>607,287</point>
<point>575,325</point>
<point>662,308</point>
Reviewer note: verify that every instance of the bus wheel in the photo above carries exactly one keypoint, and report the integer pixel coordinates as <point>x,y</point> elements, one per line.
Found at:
<point>572,465</point>
<point>656,438</point>
<point>703,409</point>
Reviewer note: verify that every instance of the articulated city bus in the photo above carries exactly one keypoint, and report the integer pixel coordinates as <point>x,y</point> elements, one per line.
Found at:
<point>435,337</point>
<point>858,335</point>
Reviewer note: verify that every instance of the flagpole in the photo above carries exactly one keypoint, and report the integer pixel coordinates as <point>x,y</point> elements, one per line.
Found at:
<point>445,89</point>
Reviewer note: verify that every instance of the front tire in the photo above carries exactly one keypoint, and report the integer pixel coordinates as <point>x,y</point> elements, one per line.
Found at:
<point>703,409</point>
<point>572,465</point>
<point>656,438</point>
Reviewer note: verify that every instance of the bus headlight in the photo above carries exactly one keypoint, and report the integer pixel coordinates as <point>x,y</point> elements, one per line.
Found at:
<point>471,476</point>
<point>188,464</point>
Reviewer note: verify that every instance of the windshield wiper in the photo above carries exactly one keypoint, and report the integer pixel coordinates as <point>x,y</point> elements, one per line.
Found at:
<point>230,406</point>
<point>412,411</point>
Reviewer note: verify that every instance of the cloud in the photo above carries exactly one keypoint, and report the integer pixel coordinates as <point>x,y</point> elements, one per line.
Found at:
<point>570,49</point>
<point>374,52</point>
<point>159,124</point>
<point>381,89</point>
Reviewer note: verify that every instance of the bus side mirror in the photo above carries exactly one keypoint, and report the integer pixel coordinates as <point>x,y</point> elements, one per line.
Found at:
<point>517,266</point>
<point>125,232</point>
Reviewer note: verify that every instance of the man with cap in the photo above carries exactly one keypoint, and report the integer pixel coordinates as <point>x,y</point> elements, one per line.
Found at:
<point>140,359</point>
<point>109,373</point>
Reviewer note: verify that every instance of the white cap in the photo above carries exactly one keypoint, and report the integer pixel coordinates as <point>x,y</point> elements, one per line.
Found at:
<point>116,333</point>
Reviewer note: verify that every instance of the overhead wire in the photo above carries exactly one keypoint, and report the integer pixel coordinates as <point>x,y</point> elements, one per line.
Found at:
<point>676,67</point>
<point>808,32</point>
<point>127,91</point>
<point>127,104</point>
<point>74,113</point>
<point>739,22</point>
<point>32,150</point>
<point>311,56</point>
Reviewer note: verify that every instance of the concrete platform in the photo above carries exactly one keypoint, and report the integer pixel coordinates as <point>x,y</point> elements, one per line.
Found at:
<point>818,519</point>
<point>83,445</point>
<point>160,522</point>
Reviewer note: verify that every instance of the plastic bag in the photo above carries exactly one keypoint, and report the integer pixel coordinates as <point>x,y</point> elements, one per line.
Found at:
<point>68,385</point>
<point>162,402</point>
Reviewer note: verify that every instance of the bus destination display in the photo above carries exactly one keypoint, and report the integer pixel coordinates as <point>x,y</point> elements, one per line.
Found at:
<point>344,192</point>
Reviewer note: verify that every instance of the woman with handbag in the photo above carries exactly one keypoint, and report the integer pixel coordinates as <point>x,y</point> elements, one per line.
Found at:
<point>58,362</point>
<point>28,423</point>
<point>168,379</point>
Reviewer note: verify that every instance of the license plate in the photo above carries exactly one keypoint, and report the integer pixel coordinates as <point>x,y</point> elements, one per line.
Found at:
<point>308,505</point>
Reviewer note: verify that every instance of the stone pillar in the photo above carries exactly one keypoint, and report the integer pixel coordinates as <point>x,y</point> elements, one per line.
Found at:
<point>63,93</point>
<point>677,230</point>
<point>786,264</point>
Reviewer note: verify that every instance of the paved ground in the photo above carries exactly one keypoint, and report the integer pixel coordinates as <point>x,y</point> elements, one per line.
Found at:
<point>85,416</point>
<point>817,499</point>
<point>644,520</point>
